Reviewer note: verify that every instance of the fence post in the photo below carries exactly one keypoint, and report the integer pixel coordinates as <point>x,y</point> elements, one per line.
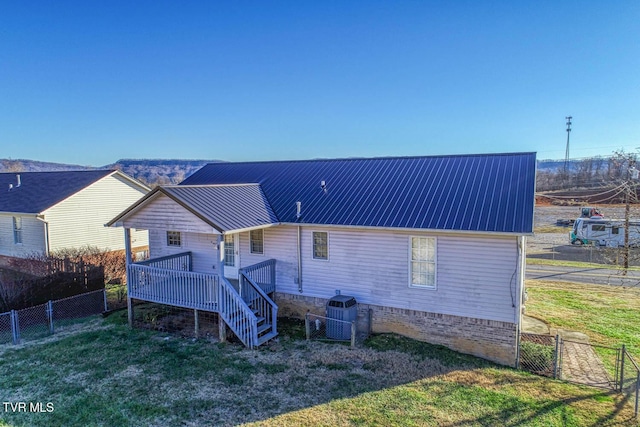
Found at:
<point>104,295</point>
<point>637,392</point>
<point>624,352</point>
<point>307,326</point>
<point>15,327</point>
<point>556,357</point>
<point>353,334</point>
<point>50,316</point>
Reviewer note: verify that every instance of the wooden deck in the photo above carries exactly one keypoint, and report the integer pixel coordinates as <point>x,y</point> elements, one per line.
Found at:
<point>243,304</point>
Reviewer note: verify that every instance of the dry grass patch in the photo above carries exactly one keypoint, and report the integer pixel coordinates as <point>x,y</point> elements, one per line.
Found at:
<point>111,375</point>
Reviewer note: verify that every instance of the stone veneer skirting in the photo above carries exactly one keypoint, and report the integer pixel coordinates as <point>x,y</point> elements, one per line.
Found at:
<point>490,339</point>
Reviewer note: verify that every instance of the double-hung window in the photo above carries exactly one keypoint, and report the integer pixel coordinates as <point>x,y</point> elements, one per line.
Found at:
<point>256,241</point>
<point>17,230</point>
<point>174,238</point>
<point>422,268</point>
<point>320,245</point>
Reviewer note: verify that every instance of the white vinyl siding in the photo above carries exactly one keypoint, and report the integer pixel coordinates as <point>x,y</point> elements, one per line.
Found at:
<point>203,248</point>
<point>163,213</point>
<point>33,237</point>
<point>422,262</point>
<point>477,276</point>
<point>79,220</point>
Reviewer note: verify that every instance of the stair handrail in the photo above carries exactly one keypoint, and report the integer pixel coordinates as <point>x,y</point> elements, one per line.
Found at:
<point>266,307</point>
<point>244,327</point>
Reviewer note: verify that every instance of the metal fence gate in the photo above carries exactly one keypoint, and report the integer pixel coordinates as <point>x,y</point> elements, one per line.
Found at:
<point>600,366</point>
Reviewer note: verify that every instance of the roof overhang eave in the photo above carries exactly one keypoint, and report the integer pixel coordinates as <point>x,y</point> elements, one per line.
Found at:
<point>417,230</point>
<point>256,227</point>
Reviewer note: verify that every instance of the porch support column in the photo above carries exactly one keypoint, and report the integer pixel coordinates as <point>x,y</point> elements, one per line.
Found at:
<point>222,326</point>
<point>127,253</point>
<point>221,254</point>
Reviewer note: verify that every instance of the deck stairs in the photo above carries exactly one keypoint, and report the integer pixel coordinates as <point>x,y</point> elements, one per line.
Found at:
<point>248,311</point>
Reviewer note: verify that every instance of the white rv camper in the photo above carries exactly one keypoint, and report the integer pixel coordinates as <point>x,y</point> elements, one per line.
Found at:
<point>604,232</point>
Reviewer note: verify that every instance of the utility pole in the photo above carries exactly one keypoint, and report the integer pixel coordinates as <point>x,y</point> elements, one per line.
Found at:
<point>566,155</point>
<point>632,174</point>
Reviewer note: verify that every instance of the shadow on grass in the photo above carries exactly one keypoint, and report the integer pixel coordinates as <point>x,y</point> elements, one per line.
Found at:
<point>137,377</point>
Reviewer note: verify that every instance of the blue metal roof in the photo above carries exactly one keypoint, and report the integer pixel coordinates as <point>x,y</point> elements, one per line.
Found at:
<point>483,193</point>
<point>226,207</point>
<point>39,191</point>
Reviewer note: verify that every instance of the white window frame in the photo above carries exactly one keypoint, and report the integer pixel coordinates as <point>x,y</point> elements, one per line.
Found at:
<point>433,286</point>
<point>313,246</point>
<point>261,252</point>
<point>17,230</point>
<point>172,238</point>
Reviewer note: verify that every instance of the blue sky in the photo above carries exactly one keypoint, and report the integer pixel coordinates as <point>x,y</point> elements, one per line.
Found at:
<point>90,82</point>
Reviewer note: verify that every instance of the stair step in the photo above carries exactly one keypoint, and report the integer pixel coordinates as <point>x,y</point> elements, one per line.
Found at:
<point>263,339</point>
<point>263,327</point>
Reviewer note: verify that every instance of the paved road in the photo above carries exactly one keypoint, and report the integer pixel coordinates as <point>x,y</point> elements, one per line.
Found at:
<point>596,276</point>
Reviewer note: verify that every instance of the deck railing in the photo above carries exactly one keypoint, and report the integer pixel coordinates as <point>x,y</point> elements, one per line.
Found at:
<point>169,280</point>
<point>263,274</point>
<point>237,315</point>
<point>180,262</point>
<point>173,287</point>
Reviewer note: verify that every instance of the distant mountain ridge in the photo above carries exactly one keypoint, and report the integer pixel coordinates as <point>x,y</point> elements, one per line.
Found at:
<point>152,172</point>
<point>155,172</point>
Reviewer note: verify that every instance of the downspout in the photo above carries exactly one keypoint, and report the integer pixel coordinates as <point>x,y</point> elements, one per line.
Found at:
<point>298,216</point>
<point>299,259</point>
<point>521,266</point>
<point>47,245</point>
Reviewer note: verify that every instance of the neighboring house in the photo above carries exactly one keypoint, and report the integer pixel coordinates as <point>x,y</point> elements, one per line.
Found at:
<point>43,212</point>
<point>432,247</point>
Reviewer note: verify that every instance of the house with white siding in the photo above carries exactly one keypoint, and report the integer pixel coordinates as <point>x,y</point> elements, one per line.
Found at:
<point>430,247</point>
<point>44,212</point>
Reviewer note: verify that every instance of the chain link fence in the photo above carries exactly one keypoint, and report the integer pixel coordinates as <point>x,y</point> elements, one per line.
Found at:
<point>630,378</point>
<point>580,362</point>
<point>538,354</point>
<point>44,319</point>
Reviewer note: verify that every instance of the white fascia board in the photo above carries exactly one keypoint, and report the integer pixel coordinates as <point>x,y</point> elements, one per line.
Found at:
<point>414,230</point>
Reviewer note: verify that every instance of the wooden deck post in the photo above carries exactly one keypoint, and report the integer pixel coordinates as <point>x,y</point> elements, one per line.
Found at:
<point>127,253</point>
<point>196,323</point>
<point>222,329</point>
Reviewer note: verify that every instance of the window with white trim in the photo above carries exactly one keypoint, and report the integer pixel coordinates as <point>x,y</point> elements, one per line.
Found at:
<point>174,238</point>
<point>422,268</point>
<point>320,245</point>
<point>256,241</point>
<point>17,230</point>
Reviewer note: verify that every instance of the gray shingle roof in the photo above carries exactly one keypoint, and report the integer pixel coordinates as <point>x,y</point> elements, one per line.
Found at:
<point>39,191</point>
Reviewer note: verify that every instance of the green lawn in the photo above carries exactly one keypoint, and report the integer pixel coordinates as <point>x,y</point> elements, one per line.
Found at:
<point>609,315</point>
<point>102,373</point>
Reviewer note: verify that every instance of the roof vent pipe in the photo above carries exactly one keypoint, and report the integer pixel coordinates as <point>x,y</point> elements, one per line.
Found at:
<point>298,210</point>
<point>18,179</point>
<point>10,187</point>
